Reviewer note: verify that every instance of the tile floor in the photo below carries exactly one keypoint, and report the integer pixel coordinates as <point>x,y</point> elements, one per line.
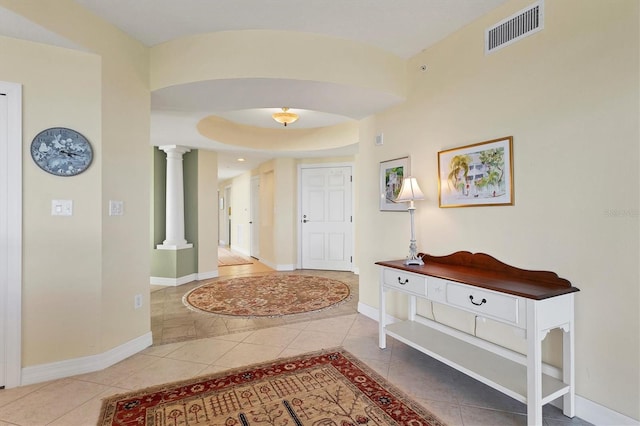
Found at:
<point>75,401</point>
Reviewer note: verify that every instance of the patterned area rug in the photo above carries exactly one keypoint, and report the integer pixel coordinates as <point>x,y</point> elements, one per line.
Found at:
<point>324,388</point>
<point>229,258</point>
<point>267,295</point>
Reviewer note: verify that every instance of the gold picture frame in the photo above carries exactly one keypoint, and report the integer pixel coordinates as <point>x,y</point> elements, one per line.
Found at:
<point>477,175</point>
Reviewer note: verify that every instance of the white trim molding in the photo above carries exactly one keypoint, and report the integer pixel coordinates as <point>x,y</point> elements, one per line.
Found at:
<point>277,267</point>
<point>87,364</point>
<point>207,275</point>
<point>173,282</point>
<point>11,248</point>
<point>587,410</point>
<point>600,415</point>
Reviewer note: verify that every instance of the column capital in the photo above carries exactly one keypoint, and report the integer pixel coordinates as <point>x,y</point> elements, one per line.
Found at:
<point>174,149</point>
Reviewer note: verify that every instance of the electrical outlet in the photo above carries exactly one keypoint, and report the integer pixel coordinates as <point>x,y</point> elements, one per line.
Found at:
<point>137,301</point>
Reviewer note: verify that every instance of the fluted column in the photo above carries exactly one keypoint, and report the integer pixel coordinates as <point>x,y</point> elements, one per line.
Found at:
<point>174,236</point>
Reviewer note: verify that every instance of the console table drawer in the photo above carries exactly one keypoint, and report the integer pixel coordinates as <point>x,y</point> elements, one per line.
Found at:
<point>484,302</point>
<point>405,282</point>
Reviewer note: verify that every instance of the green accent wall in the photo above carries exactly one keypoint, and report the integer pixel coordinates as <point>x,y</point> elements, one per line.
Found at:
<point>174,263</point>
<point>159,183</point>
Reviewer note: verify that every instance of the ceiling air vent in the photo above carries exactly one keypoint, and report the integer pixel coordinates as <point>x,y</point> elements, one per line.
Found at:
<point>519,25</point>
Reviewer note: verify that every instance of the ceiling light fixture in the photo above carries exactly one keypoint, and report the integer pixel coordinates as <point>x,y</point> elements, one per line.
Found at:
<point>285,117</point>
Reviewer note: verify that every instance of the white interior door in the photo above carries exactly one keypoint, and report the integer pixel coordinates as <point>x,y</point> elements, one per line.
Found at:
<point>254,220</point>
<point>326,218</point>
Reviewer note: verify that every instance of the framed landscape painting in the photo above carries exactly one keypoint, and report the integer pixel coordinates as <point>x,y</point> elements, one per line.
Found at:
<point>391,174</point>
<point>477,175</point>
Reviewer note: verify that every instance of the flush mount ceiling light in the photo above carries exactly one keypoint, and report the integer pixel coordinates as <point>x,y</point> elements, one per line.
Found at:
<point>285,117</point>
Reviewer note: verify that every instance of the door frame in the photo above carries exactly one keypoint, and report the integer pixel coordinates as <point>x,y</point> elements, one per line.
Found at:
<point>227,216</point>
<point>299,208</point>
<point>254,210</point>
<point>11,203</point>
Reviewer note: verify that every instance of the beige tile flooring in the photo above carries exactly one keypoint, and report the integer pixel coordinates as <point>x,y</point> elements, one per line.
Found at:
<point>172,322</point>
<point>456,398</point>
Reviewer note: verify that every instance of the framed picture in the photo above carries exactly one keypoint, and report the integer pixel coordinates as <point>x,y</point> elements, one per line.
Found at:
<point>391,174</point>
<point>477,175</point>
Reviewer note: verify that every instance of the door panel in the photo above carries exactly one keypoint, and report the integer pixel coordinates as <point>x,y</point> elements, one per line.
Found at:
<point>326,228</point>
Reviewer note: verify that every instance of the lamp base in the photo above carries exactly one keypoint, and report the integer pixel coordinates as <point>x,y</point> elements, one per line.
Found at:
<point>416,261</point>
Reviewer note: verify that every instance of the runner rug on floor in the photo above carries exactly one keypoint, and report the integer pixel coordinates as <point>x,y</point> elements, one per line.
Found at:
<point>323,388</point>
<point>269,295</point>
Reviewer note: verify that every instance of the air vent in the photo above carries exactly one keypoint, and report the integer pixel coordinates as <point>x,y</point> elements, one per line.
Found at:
<point>517,26</point>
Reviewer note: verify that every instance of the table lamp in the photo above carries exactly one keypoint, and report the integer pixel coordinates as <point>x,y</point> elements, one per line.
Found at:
<point>410,191</point>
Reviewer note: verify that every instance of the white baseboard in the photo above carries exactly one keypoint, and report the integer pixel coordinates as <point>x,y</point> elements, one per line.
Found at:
<point>585,409</point>
<point>240,251</point>
<point>207,275</point>
<point>374,313</point>
<point>290,267</point>
<point>173,281</point>
<point>88,364</point>
<point>600,415</point>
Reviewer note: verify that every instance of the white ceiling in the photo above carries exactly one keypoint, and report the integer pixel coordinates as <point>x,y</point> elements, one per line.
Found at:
<point>402,27</point>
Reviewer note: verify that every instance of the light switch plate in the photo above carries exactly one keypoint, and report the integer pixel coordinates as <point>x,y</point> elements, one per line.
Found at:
<point>61,207</point>
<point>116,208</point>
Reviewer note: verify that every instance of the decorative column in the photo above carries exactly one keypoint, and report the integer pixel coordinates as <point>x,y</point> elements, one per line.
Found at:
<point>174,236</point>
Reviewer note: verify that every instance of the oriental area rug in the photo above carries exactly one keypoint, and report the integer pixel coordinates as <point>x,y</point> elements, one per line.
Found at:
<point>322,388</point>
<point>269,295</point>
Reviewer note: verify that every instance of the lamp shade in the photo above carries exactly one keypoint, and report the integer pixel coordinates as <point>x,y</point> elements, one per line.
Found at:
<point>409,191</point>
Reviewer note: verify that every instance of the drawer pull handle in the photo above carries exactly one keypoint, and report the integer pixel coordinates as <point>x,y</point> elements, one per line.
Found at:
<point>406,280</point>
<point>477,304</point>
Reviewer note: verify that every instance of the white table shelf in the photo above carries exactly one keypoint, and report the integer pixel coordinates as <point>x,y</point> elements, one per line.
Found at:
<point>533,301</point>
<point>507,376</point>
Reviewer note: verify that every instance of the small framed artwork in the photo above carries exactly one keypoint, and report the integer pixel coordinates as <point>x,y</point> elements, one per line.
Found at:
<point>477,175</point>
<point>391,174</point>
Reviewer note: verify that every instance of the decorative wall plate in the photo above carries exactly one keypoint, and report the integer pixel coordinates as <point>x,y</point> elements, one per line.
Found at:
<point>61,151</point>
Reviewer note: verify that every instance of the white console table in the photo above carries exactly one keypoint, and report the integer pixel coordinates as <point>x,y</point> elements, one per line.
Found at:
<point>535,301</point>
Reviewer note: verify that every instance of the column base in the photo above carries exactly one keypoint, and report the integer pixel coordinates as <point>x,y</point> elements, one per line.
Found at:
<point>171,246</point>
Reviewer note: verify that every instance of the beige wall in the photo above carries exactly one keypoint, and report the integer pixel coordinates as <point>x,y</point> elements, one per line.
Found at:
<point>569,96</point>
<point>284,212</point>
<point>62,255</point>
<point>258,54</point>
<point>81,273</point>
<point>278,188</point>
<point>207,212</point>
